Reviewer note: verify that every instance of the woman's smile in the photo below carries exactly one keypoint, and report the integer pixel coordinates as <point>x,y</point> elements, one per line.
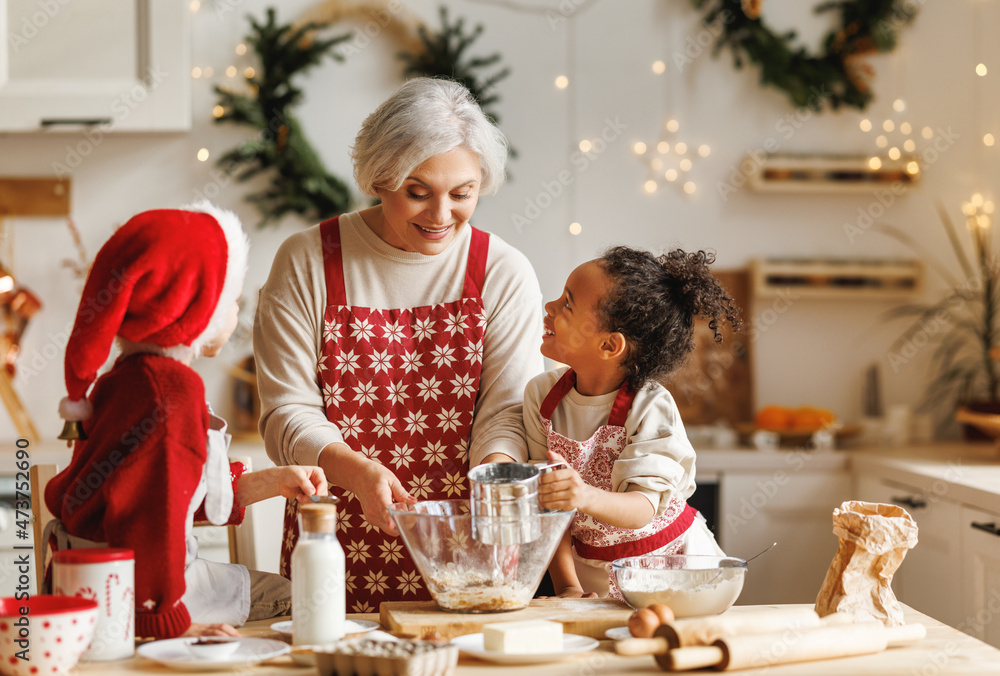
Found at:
<point>436,199</point>
<point>434,233</point>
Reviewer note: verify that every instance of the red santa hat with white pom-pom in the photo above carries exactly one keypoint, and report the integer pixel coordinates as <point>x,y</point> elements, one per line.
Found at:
<point>168,278</point>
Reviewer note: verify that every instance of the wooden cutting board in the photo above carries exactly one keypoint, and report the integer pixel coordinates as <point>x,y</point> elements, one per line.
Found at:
<point>584,617</point>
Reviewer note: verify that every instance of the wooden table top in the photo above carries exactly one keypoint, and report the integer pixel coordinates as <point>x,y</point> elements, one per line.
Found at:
<point>945,651</point>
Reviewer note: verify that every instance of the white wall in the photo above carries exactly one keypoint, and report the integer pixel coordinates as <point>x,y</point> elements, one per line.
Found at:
<point>815,352</point>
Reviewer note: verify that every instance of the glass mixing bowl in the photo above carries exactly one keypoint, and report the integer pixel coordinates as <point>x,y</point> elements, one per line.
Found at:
<point>465,575</point>
<point>690,584</point>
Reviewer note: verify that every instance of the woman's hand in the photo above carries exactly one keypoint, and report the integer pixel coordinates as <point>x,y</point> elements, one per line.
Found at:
<point>376,489</point>
<point>563,488</point>
<point>222,629</point>
<point>373,484</point>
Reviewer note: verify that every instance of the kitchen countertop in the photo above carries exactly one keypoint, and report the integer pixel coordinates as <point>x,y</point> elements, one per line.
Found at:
<point>944,651</point>
<point>965,473</point>
<point>711,462</point>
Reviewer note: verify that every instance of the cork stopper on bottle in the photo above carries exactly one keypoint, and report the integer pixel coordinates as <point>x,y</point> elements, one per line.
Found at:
<point>319,518</point>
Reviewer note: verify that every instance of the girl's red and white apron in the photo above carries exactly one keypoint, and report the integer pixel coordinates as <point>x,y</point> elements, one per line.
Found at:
<point>594,541</point>
<point>401,385</point>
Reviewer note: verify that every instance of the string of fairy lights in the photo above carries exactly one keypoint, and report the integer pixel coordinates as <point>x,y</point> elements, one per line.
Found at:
<point>894,138</point>
<point>206,72</point>
<point>671,157</point>
<point>978,209</point>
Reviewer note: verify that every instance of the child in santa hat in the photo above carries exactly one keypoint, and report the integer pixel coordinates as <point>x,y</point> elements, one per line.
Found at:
<point>153,459</point>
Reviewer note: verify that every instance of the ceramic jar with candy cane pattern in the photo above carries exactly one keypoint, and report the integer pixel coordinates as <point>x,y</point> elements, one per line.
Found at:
<point>106,575</point>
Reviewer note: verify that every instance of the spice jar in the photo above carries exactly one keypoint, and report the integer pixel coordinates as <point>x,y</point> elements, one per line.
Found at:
<point>318,605</point>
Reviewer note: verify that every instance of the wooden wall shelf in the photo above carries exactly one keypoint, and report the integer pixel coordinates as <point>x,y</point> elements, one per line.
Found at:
<point>833,173</point>
<point>856,279</point>
<point>34,197</point>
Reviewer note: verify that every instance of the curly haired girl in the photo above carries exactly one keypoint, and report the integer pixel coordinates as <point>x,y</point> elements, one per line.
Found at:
<point>623,322</point>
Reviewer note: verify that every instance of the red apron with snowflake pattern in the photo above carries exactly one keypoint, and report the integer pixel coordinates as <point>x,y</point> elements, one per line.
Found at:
<point>594,459</point>
<point>401,385</point>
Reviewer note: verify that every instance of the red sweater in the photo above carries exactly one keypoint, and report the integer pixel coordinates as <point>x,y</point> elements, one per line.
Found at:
<point>131,482</point>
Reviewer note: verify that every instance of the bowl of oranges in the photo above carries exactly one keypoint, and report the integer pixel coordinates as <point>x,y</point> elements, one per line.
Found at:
<point>795,425</point>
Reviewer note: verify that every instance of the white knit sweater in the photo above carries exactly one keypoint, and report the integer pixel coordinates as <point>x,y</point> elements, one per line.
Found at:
<point>289,325</point>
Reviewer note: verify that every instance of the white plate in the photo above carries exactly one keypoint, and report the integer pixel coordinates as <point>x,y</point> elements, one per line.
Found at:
<point>173,653</point>
<point>572,644</point>
<point>350,627</point>
<point>618,633</point>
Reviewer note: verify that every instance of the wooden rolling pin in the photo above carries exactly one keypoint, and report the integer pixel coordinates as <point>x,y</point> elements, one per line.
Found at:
<point>792,645</point>
<point>691,631</point>
<point>696,631</point>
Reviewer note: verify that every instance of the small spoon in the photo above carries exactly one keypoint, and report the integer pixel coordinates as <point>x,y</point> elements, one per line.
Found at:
<point>765,551</point>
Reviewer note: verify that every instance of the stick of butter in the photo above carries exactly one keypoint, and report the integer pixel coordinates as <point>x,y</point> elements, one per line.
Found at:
<point>528,636</point>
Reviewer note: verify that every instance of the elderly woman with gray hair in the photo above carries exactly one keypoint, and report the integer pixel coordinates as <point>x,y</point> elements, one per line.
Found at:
<point>393,344</point>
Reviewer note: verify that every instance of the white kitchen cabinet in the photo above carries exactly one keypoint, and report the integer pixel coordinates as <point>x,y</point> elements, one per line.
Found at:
<point>107,65</point>
<point>980,577</point>
<point>794,509</point>
<point>926,580</point>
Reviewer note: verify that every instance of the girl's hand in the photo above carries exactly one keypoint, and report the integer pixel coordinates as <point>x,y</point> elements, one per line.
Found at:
<point>222,629</point>
<point>378,488</point>
<point>299,482</point>
<point>563,488</point>
<point>575,593</point>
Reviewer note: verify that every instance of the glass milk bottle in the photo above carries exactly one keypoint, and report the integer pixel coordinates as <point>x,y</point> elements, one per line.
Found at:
<point>317,578</point>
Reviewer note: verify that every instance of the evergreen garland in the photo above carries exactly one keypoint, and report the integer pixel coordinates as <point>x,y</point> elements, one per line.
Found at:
<point>442,57</point>
<point>300,183</point>
<point>837,77</point>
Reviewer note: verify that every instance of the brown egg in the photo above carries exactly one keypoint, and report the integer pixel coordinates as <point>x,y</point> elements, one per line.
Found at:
<point>663,612</point>
<point>643,623</point>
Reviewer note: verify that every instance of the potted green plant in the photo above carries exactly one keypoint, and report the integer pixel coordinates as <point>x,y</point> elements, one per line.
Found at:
<point>963,326</point>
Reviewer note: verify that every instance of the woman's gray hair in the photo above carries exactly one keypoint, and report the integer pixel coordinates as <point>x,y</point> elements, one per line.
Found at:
<point>426,117</point>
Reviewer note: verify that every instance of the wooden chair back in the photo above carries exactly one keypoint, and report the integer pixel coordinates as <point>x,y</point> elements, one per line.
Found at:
<point>40,476</point>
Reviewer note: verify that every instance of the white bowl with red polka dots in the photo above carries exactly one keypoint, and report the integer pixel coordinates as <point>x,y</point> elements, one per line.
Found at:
<point>51,632</point>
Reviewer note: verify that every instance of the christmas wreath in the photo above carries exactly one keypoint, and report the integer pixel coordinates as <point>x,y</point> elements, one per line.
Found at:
<point>840,75</point>
<point>300,183</point>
